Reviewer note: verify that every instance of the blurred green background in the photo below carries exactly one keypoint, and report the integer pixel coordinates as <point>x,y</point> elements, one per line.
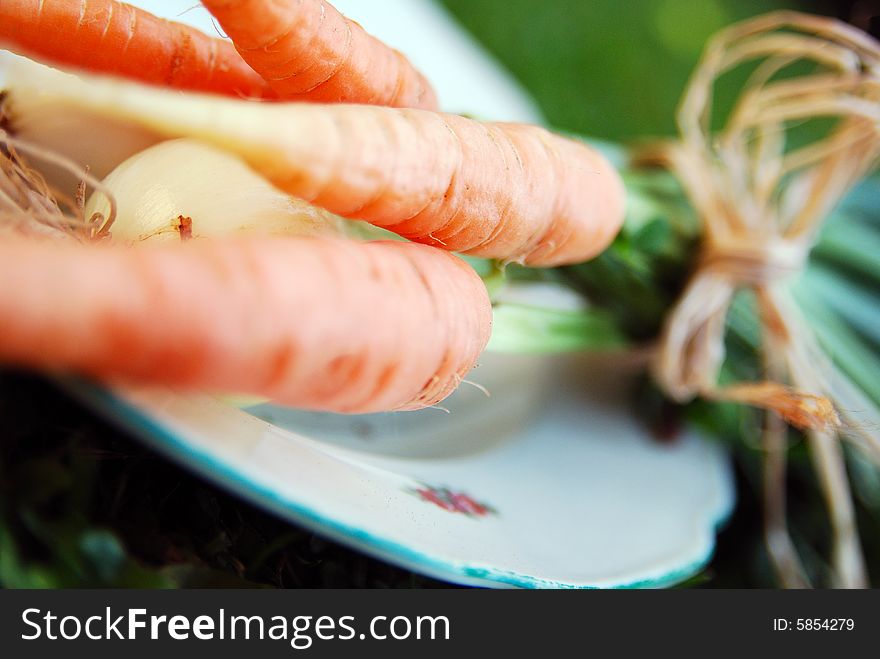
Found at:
<point>615,69</point>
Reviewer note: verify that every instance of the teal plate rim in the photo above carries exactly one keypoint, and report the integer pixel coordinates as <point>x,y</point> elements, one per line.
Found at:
<point>157,436</point>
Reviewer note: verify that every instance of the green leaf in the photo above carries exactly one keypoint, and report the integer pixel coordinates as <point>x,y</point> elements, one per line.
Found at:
<point>843,345</point>
<point>653,237</point>
<point>103,551</point>
<point>856,304</point>
<point>853,246</point>
<point>520,328</point>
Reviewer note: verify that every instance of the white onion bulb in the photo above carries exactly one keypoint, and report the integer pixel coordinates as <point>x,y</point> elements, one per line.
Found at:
<point>217,191</point>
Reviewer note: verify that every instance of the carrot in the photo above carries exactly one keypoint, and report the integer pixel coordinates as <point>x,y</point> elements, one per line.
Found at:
<point>307,50</point>
<point>504,191</point>
<point>112,37</point>
<point>318,323</point>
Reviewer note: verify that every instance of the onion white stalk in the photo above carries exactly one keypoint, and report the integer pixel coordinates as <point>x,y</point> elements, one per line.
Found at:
<point>184,188</point>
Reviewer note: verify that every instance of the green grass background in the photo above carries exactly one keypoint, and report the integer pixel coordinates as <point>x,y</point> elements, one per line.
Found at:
<point>611,69</point>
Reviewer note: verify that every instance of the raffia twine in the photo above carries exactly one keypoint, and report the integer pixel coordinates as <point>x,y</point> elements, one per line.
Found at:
<point>761,206</point>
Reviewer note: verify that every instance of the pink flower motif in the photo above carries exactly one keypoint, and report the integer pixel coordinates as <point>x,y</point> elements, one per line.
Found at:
<point>468,506</point>
<point>454,502</point>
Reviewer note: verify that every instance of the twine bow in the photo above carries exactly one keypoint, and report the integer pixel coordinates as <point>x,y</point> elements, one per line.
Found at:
<point>762,202</point>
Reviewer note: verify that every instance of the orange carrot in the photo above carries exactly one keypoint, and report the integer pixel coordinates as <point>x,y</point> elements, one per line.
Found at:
<point>505,191</point>
<point>318,323</point>
<point>112,37</point>
<point>307,50</point>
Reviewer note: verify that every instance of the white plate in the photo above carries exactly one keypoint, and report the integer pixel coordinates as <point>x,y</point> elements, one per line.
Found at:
<point>550,482</point>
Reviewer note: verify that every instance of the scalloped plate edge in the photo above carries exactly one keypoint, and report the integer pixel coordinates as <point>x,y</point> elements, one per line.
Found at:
<point>157,436</point>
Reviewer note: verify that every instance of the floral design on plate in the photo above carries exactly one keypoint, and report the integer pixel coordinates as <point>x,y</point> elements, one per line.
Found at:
<point>454,502</point>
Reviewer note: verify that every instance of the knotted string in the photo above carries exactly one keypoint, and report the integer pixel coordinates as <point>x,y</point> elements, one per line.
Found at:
<point>761,204</point>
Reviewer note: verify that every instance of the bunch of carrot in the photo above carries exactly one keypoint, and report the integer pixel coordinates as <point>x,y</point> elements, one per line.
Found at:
<point>293,50</point>
<point>320,323</point>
